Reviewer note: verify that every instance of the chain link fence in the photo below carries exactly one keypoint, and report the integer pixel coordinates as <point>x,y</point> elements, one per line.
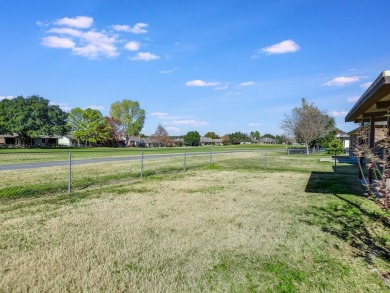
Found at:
<point>48,172</point>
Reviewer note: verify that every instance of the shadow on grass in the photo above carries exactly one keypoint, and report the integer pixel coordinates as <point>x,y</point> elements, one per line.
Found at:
<point>348,215</point>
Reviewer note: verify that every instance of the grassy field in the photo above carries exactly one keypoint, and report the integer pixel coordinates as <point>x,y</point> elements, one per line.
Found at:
<point>18,155</point>
<point>249,222</point>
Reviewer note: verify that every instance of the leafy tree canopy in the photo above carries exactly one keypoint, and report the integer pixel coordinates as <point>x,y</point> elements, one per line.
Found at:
<point>31,117</point>
<point>269,135</point>
<point>212,135</point>
<point>238,137</point>
<point>255,134</point>
<point>88,125</point>
<point>192,138</point>
<point>130,116</point>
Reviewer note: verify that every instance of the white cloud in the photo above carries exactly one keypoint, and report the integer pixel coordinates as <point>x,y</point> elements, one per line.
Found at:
<point>95,107</point>
<point>78,21</point>
<point>366,85</point>
<point>201,83</point>
<point>353,99</point>
<point>254,124</point>
<point>64,106</point>
<point>247,83</point>
<point>58,42</point>
<point>66,31</point>
<point>338,113</point>
<point>145,56</point>
<point>92,43</point>
<point>138,28</point>
<point>7,97</point>
<point>133,46</point>
<point>342,81</point>
<point>288,46</point>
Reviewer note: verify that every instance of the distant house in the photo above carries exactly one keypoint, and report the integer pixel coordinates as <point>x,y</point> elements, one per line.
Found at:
<point>210,141</point>
<point>267,140</point>
<point>40,141</point>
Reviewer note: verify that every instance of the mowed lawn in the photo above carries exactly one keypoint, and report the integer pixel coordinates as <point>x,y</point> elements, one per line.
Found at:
<point>247,223</point>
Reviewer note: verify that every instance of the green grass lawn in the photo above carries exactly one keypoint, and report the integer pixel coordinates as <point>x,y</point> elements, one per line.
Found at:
<point>249,222</point>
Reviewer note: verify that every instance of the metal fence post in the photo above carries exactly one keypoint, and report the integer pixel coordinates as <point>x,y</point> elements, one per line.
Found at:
<point>211,155</point>
<point>142,163</point>
<point>70,173</point>
<point>184,162</point>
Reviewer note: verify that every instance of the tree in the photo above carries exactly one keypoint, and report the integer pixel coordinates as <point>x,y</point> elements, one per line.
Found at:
<point>31,117</point>
<point>212,135</point>
<point>161,136</point>
<point>269,135</point>
<point>88,125</point>
<point>255,134</point>
<point>116,132</point>
<point>130,116</point>
<point>192,138</point>
<point>238,137</point>
<point>307,123</point>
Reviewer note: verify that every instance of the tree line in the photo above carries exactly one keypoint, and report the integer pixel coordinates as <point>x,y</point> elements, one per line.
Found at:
<point>35,116</point>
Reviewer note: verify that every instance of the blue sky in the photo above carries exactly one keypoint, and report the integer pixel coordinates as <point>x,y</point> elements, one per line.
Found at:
<point>221,66</point>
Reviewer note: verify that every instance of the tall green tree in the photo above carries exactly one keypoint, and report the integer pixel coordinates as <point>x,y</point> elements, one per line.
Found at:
<point>130,116</point>
<point>31,117</point>
<point>307,123</point>
<point>88,125</point>
<point>192,138</point>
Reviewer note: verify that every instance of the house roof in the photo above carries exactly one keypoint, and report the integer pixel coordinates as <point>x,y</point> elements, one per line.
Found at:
<point>374,102</point>
<point>266,139</point>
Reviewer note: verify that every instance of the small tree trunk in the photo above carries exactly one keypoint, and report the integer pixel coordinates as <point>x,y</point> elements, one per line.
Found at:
<point>307,149</point>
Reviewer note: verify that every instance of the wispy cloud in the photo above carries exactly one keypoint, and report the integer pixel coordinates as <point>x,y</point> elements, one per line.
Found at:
<point>353,99</point>
<point>366,85</point>
<point>178,120</point>
<point>145,56</point>
<point>338,113</point>
<point>221,88</point>
<point>58,42</point>
<point>254,124</point>
<point>138,28</point>
<point>342,81</point>
<point>95,107</point>
<point>169,71</point>
<point>247,83</point>
<point>201,83</point>
<point>64,106</point>
<point>78,21</point>
<point>287,46</point>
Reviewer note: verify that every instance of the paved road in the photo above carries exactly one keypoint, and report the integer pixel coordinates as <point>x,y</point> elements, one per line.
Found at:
<point>103,160</point>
